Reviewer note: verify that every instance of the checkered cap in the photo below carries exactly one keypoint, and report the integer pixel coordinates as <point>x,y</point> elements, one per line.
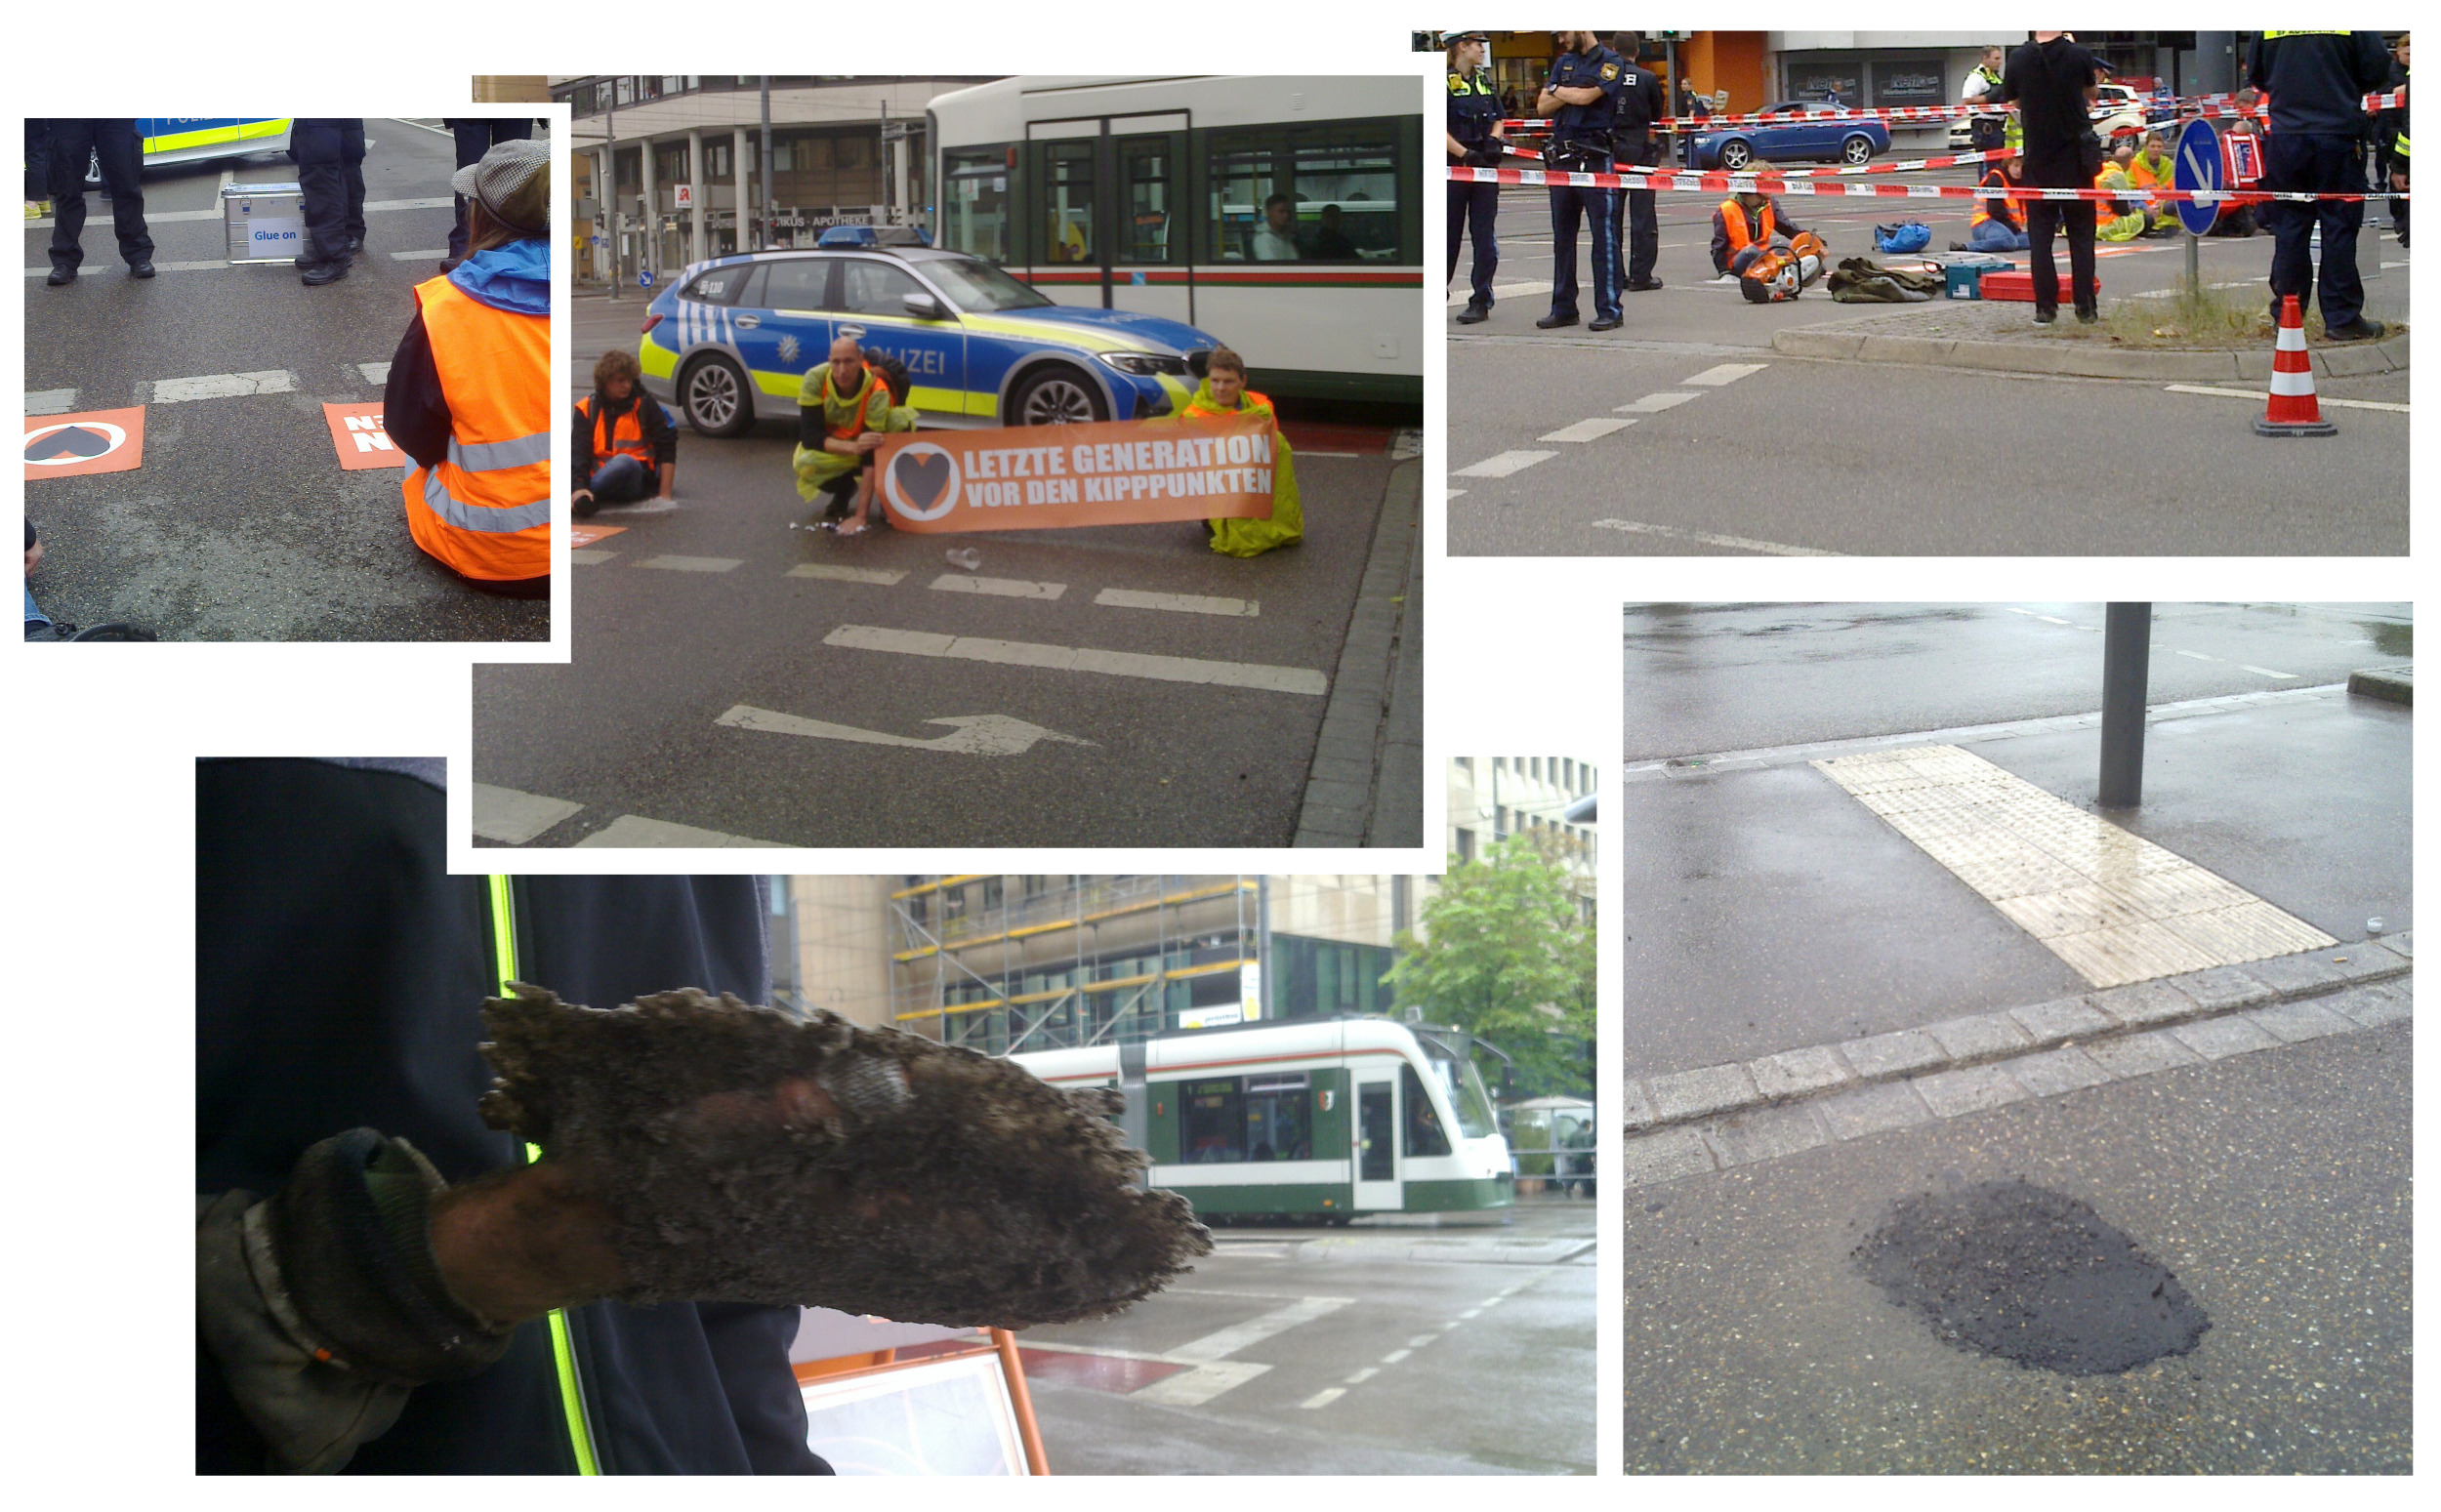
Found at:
<point>514,183</point>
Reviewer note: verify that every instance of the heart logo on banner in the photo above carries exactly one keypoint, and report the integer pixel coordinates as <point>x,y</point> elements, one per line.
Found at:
<point>921,477</point>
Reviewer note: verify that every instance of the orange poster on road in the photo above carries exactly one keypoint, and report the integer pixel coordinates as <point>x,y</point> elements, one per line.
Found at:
<point>1125,473</point>
<point>356,433</point>
<point>587,535</point>
<point>95,442</point>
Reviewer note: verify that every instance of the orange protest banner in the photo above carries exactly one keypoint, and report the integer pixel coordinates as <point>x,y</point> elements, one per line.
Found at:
<point>587,535</point>
<point>1125,473</point>
<point>96,441</point>
<point>356,433</point>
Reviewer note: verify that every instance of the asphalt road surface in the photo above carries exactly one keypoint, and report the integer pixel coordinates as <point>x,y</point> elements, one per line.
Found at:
<point>2273,1185</point>
<point>1368,1350</point>
<point>240,525</point>
<point>1717,678</point>
<point>724,602</point>
<point>1775,454</point>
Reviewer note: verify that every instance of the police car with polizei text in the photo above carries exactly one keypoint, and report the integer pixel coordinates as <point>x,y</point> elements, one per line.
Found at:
<point>729,341</point>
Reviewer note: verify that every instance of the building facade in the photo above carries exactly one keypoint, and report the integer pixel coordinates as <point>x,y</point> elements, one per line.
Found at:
<point>662,164</point>
<point>1492,798</point>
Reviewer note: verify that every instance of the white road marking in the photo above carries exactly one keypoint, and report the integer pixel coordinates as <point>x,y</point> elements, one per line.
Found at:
<point>2049,620</point>
<point>1501,291</point>
<point>589,555</point>
<point>512,818</point>
<point>886,577</point>
<point>228,176</point>
<point>1496,1298</point>
<point>997,587</point>
<point>975,734</point>
<point>1179,604</point>
<point>2285,676</point>
<point>1242,1336</point>
<point>374,372</point>
<point>633,830</point>
<point>1364,1376</point>
<point>2116,908</point>
<point>1504,465</point>
<point>2028,613</point>
<point>1324,1397</point>
<point>1725,373</point>
<point>50,402</point>
<point>1471,1312</point>
<point>693,563</point>
<point>1454,493</point>
<point>435,253</point>
<point>1395,1356</point>
<point>1655,403</point>
<point>91,268</point>
<point>1707,538</point>
<point>223,386</point>
<point>2259,396</point>
<point>1587,431</point>
<point>161,217</point>
<point>1195,1387</point>
<point>420,126</point>
<point>1117,664</point>
<point>1422,1339</point>
<point>2193,655</point>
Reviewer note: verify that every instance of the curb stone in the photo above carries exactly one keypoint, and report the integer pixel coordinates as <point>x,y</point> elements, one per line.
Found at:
<point>2396,684</point>
<point>1367,693</point>
<point>1890,1080</point>
<point>2059,359</point>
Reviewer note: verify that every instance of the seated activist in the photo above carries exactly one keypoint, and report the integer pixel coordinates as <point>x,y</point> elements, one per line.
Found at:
<point>842,409</point>
<point>902,418</point>
<point>1998,223</point>
<point>469,397</point>
<point>1223,391</point>
<point>624,448</point>
<point>2117,220</point>
<point>2149,168</point>
<point>1742,228</point>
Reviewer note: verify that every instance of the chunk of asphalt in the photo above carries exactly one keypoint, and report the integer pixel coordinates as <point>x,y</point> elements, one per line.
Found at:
<point>1876,1056</point>
<point>924,1183</point>
<point>2012,1271</point>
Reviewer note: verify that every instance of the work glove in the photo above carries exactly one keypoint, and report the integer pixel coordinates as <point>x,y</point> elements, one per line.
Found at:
<point>1488,155</point>
<point>323,1305</point>
<point>752,1157</point>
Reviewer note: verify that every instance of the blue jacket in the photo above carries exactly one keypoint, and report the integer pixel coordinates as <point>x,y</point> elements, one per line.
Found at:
<point>515,277</point>
<point>339,972</point>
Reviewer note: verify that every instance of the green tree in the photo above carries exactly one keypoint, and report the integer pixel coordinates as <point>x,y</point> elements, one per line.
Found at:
<point>1506,954</point>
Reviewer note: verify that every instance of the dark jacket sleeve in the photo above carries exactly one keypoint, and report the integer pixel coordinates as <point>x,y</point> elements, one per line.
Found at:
<point>414,410</point>
<point>750,1350</point>
<point>657,430</point>
<point>580,445</point>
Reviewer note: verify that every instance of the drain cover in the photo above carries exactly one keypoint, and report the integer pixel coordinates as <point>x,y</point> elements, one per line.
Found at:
<point>2012,1270</point>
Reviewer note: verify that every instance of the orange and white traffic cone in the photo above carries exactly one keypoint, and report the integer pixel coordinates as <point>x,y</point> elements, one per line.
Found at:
<point>2292,409</point>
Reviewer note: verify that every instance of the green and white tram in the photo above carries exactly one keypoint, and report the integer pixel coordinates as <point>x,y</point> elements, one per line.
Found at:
<point>1284,215</point>
<point>1326,1120</point>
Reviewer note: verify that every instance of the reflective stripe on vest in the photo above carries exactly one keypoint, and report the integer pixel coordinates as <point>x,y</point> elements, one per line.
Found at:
<point>622,435</point>
<point>484,510</point>
<point>1741,236</point>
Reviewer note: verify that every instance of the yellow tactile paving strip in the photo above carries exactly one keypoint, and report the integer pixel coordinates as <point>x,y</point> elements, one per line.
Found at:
<point>2117,908</point>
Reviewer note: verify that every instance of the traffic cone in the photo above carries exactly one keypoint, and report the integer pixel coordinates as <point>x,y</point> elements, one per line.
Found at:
<point>2292,409</point>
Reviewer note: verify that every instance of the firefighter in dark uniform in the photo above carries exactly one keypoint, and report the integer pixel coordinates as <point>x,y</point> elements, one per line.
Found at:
<point>1577,97</point>
<point>330,175</point>
<point>2317,82</point>
<point>1475,140</point>
<point>1638,104</point>
<point>73,145</point>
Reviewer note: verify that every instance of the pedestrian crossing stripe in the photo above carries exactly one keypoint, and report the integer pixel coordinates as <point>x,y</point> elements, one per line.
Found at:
<point>91,441</point>
<point>2115,907</point>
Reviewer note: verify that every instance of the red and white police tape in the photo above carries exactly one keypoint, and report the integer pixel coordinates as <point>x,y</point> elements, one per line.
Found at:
<point>1782,183</point>
<point>1911,165</point>
<point>2214,106</point>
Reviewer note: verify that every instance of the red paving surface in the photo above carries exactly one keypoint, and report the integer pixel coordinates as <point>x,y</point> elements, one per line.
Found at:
<point>1101,1372</point>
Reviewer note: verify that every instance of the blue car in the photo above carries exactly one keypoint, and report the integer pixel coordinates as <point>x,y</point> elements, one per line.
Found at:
<point>729,341</point>
<point>1848,141</point>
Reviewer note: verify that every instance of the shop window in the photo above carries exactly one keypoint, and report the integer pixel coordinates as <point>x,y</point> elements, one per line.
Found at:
<point>1329,194</point>
<point>992,894</point>
<point>1423,1133</point>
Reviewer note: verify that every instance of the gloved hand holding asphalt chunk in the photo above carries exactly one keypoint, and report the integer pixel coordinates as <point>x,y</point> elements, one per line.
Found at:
<point>736,1154</point>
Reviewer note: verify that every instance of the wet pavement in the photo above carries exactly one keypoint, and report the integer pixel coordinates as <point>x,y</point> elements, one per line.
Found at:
<point>1381,1348</point>
<point>2273,1186</point>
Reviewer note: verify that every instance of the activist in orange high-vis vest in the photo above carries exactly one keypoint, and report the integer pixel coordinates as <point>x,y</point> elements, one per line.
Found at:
<point>469,397</point>
<point>1223,391</point>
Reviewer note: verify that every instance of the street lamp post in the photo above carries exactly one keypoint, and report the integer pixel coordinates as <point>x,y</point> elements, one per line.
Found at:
<point>2127,654</point>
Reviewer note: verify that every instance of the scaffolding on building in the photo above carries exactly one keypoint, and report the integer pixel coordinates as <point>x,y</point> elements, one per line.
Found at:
<point>1010,963</point>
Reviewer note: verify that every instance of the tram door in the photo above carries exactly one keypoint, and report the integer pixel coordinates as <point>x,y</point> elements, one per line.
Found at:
<point>1111,213</point>
<point>1377,1143</point>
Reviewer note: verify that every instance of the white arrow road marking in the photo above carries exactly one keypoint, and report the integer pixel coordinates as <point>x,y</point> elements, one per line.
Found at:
<point>1117,664</point>
<point>633,829</point>
<point>1708,538</point>
<point>975,734</point>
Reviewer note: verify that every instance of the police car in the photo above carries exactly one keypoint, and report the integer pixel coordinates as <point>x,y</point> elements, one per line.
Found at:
<point>168,140</point>
<point>729,341</point>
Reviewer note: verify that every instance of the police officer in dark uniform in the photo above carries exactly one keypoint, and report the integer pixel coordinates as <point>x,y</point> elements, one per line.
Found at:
<point>330,172</point>
<point>1475,140</point>
<point>474,139</point>
<point>1577,97</point>
<point>1638,104</point>
<point>73,145</point>
<point>2318,81</point>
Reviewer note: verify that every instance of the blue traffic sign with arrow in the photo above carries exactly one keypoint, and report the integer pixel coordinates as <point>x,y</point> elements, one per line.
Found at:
<point>2197,166</point>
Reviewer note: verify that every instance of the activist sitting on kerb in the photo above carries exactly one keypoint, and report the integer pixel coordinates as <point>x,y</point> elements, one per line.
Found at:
<point>1223,391</point>
<point>842,407</point>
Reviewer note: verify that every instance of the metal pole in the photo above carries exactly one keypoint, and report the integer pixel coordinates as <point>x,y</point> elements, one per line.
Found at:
<point>1263,945</point>
<point>2127,651</point>
<point>611,196</point>
<point>881,159</point>
<point>762,236</point>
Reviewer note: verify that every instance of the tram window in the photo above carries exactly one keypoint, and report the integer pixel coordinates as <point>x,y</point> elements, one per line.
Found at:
<point>1146,169</point>
<point>877,289</point>
<point>1068,202</point>
<point>1425,1134</point>
<point>1210,1127</point>
<point>976,205</point>
<point>1279,1118</point>
<point>1340,192</point>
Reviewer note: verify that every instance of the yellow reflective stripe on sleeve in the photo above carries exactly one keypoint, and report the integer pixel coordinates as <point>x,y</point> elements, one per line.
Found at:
<point>2336,32</point>
<point>504,937</point>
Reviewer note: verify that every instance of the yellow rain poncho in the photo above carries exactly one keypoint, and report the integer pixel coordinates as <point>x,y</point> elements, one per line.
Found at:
<point>1286,525</point>
<point>843,415</point>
